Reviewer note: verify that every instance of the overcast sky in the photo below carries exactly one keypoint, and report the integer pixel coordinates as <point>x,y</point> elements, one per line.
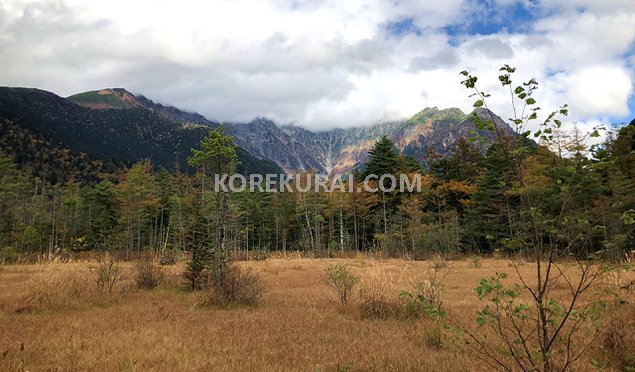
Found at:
<point>322,64</point>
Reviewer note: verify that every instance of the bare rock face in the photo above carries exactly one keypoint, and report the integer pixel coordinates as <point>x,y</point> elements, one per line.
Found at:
<point>341,150</point>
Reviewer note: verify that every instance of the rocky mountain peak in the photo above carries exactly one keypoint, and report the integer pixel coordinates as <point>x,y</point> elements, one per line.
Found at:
<point>341,150</point>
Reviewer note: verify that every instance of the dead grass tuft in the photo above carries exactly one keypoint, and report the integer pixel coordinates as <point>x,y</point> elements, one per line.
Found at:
<point>618,339</point>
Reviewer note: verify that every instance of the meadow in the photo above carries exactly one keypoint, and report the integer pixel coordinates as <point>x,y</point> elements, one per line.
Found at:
<point>52,317</point>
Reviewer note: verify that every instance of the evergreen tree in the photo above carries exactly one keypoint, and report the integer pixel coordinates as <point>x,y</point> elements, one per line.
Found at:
<point>217,156</point>
<point>382,159</point>
<point>489,218</point>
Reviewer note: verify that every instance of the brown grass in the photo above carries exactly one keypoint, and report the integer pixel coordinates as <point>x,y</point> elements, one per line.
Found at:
<point>52,318</point>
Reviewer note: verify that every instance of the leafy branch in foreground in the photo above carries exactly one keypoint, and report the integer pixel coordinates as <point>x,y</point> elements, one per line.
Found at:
<point>538,325</point>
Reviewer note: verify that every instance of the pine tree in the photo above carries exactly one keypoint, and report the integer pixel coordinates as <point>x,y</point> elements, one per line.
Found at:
<point>382,159</point>
<point>217,156</point>
<point>489,219</point>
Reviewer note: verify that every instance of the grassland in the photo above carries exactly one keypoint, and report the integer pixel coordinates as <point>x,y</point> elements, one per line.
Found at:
<point>51,318</point>
<point>100,99</point>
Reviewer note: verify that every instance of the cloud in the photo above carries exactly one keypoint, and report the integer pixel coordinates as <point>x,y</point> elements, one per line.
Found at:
<point>443,59</point>
<point>492,48</point>
<point>600,90</point>
<point>326,63</point>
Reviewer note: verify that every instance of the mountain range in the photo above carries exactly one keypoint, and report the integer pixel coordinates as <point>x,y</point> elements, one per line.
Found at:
<point>118,126</point>
<point>340,150</point>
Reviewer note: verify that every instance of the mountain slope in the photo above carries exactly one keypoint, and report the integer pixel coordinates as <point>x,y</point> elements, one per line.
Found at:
<point>121,98</point>
<point>50,160</point>
<point>120,129</point>
<point>340,150</point>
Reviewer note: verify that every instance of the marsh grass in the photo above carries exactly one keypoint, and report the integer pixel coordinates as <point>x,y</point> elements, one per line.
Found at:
<point>296,326</point>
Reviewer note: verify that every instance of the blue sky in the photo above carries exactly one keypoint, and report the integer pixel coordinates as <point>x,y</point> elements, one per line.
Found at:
<point>491,19</point>
<point>326,63</point>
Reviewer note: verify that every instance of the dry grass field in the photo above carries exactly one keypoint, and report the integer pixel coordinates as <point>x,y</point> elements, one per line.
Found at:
<point>52,318</point>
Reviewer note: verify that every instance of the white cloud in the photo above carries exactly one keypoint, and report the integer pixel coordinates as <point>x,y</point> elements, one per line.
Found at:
<point>599,90</point>
<point>323,63</point>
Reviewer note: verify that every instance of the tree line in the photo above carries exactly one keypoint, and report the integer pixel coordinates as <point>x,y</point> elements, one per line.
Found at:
<point>470,203</point>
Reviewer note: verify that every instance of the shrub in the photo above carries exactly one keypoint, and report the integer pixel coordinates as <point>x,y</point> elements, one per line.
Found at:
<point>147,275</point>
<point>167,259</point>
<point>342,280</point>
<point>238,287</point>
<point>425,298</point>
<point>57,286</point>
<point>196,273</point>
<point>438,262</point>
<point>9,254</point>
<point>434,337</point>
<point>107,273</point>
<point>380,300</point>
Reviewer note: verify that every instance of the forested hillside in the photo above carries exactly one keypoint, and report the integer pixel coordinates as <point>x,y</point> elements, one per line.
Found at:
<point>52,161</point>
<point>123,133</point>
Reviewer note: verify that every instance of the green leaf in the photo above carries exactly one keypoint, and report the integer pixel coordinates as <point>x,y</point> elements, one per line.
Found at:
<point>479,103</point>
<point>628,217</point>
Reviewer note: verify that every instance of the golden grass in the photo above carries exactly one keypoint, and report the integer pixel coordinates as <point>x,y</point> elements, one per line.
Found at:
<point>52,318</point>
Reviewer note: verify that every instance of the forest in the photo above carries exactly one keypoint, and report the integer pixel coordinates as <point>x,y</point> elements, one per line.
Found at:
<point>471,203</point>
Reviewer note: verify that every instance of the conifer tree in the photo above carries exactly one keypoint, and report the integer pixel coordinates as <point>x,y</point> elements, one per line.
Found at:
<point>382,159</point>
<point>217,156</point>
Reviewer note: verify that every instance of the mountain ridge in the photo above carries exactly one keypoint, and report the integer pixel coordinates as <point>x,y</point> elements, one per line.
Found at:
<point>120,132</point>
<point>340,150</point>
<point>294,148</point>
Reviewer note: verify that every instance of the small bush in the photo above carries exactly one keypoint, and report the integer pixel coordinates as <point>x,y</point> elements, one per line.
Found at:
<point>425,298</point>
<point>434,337</point>
<point>167,259</point>
<point>107,273</point>
<point>342,280</point>
<point>147,275</point>
<point>9,255</point>
<point>377,301</point>
<point>238,287</point>
<point>196,272</point>
<point>438,262</point>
